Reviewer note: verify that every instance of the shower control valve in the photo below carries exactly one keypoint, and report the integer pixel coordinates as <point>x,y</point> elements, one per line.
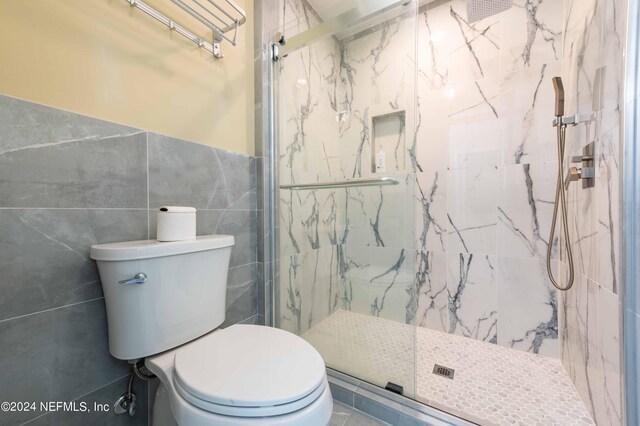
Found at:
<point>574,174</point>
<point>577,173</point>
<point>587,172</point>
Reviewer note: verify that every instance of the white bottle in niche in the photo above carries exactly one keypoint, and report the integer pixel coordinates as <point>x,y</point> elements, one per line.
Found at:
<point>381,161</point>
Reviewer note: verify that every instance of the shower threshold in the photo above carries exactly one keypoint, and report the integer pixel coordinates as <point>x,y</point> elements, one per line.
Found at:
<point>491,384</point>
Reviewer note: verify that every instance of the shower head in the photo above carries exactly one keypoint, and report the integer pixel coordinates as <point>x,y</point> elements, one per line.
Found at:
<point>559,89</point>
<point>480,9</point>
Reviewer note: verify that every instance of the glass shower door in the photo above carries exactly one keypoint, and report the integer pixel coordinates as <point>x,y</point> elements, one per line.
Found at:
<point>345,120</point>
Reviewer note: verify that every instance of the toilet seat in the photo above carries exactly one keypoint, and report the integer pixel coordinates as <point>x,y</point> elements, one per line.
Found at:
<point>249,371</point>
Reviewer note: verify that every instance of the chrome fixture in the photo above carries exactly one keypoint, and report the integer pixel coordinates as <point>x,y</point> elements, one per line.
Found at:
<point>383,181</point>
<point>126,403</point>
<point>561,199</point>
<point>280,40</point>
<point>221,16</point>
<point>587,172</point>
<point>139,278</point>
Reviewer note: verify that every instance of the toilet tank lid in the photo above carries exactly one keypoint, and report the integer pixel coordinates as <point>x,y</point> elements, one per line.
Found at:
<point>147,249</point>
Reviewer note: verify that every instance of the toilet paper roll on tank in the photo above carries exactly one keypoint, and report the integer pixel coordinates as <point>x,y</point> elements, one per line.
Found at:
<point>176,223</point>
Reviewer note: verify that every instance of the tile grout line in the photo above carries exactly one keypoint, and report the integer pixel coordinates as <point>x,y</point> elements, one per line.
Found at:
<point>137,129</point>
<point>50,309</point>
<point>90,300</point>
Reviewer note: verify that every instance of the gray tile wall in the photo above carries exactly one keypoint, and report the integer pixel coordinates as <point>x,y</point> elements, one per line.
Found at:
<point>67,182</point>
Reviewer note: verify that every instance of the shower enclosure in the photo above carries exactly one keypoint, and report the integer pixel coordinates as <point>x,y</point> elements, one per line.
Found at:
<point>414,165</point>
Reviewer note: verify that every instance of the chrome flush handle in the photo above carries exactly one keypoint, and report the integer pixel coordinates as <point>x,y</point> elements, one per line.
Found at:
<point>139,278</point>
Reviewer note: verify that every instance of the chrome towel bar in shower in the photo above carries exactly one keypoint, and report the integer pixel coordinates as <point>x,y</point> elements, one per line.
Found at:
<point>349,183</point>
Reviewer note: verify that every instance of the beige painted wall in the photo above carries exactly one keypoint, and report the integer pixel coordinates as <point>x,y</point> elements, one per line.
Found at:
<point>106,59</point>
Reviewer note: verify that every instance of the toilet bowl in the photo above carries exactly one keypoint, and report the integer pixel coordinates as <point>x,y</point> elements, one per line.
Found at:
<point>165,302</point>
<point>242,375</point>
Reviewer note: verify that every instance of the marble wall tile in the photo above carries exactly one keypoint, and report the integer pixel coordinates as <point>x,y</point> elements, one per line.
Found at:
<point>473,101</point>
<point>242,224</point>
<point>55,355</point>
<point>467,122</point>
<point>296,16</point>
<point>44,254</point>
<point>354,266</point>
<point>97,172</point>
<point>582,347</point>
<point>243,293</point>
<point>389,279</point>
<point>475,47</point>
<point>431,219</point>
<point>377,59</point>
<point>242,304</point>
<point>217,179</point>
<point>472,210</point>
<point>608,212</point>
<point>311,219</point>
<point>527,106</point>
<point>531,34</point>
<point>428,297</point>
<point>289,225</point>
<point>591,340</point>
<point>309,288</point>
<point>472,286</point>
<point>27,125</point>
<point>431,150</point>
<point>528,307</point>
<point>608,395</point>
<point>456,50</point>
<point>376,281</point>
<point>582,49</point>
<point>391,213</point>
<point>525,209</point>
<point>474,144</point>
<point>583,216</point>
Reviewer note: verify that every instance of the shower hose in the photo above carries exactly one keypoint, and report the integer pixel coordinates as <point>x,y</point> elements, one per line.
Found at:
<point>561,200</point>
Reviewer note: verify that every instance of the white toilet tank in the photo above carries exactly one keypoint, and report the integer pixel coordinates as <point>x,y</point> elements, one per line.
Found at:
<point>161,295</point>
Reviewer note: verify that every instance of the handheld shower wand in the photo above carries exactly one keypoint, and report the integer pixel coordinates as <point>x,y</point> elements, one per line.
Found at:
<point>561,199</point>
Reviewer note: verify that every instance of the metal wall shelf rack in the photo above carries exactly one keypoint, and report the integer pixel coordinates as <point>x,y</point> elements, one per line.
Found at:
<point>222,17</point>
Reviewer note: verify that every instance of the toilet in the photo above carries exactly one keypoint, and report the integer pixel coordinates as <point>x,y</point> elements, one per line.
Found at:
<point>165,302</point>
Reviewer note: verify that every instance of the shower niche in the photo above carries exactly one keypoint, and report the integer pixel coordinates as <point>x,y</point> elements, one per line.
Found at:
<point>388,141</point>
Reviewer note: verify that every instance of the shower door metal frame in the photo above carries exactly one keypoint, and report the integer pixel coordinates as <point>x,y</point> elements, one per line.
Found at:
<point>630,212</point>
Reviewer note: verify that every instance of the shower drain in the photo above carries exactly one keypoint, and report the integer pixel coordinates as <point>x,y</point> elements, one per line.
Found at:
<point>443,371</point>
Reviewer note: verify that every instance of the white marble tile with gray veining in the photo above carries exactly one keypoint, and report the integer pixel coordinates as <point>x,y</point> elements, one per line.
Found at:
<point>525,209</point>
<point>471,210</point>
<point>528,306</point>
<point>472,286</point>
